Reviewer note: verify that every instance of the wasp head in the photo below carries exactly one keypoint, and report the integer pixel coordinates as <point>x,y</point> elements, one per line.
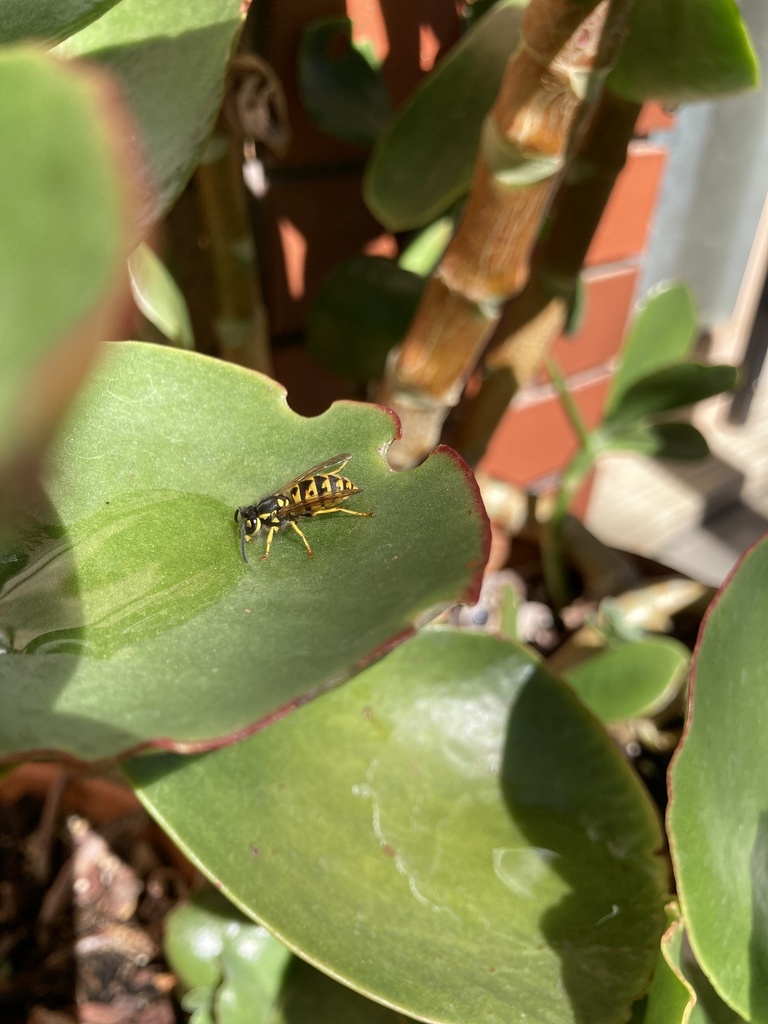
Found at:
<point>250,524</point>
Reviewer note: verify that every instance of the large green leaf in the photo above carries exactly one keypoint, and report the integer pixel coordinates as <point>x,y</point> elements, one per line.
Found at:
<point>682,50</point>
<point>47,19</point>
<point>718,820</point>
<point>662,332</point>
<point>171,58</point>
<point>423,161</point>
<point>342,91</point>
<point>669,389</point>
<point>450,833</point>
<point>63,236</point>
<point>127,607</point>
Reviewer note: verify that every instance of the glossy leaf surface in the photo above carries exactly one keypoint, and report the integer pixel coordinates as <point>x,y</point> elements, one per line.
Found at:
<point>631,680</point>
<point>345,96</point>
<point>127,609</point>
<point>662,332</point>
<point>450,833</point>
<point>49,20</point>
<point>683,51</point>
<point>718,818</point>
<point>63,238</point>
<point>424,159</point>
<point>171,59</point>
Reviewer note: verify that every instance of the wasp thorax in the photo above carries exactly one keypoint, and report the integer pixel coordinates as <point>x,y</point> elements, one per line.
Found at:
<point>268,505</point>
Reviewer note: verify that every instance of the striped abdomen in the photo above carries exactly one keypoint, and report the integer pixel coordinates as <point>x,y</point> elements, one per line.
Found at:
<point>323,490</point>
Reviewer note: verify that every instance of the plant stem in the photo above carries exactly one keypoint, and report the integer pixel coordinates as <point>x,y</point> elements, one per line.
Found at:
<point>569,406</point>
<point>565,47</point>
<point>553,562</point>
<point>532,320</point>
<point>552,558</point>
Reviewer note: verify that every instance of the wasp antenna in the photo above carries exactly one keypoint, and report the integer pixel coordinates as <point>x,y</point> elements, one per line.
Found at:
<point>237,514</point>
<point>242,540</point>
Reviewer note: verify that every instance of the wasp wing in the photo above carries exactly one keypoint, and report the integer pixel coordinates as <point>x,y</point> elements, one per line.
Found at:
<point>321,467</point>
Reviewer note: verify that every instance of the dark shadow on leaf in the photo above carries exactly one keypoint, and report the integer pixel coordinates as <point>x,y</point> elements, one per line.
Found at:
<point>308,994</point>
<point>123,575</point>
<point>572,805</point>
<point>711,1007</point>
<point>146,769</point>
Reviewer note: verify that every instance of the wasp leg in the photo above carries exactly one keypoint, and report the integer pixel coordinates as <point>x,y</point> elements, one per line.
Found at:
<point>244,539</point>
<point>306,542</point>
<point>273,530</point>
<point>349,512</point>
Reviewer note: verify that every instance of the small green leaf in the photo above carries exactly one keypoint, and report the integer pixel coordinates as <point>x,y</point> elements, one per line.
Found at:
<point>126,609</point>
<point>576,308</point>
<point>234,967</point>
<point>345,96</point>
<point>171,59</point>
<point>424,251</point>
<point>683,51</point>
<point>681,441</point>
<point>423,161</point>
<point>158,296</point>
<point>451,834</point>
<point>48,20</point>
<point>718,818</point>
<point>63,237</point>
<point>669,389</point>
<point>632,437</point>
<point>361,312</point>
<point>669,997</point>
<point>662,332</point>
<point>632,680</point>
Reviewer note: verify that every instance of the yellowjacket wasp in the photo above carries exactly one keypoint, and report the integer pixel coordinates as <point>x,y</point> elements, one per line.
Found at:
<point>316,492</point>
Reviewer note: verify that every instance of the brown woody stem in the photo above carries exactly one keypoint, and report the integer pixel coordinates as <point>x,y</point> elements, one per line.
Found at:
<point>565,47</point>
<point>239,317</point>
<point>532,320</point>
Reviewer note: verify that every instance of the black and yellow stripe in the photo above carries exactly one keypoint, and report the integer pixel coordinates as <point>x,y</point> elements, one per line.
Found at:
<point>314,493</point>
